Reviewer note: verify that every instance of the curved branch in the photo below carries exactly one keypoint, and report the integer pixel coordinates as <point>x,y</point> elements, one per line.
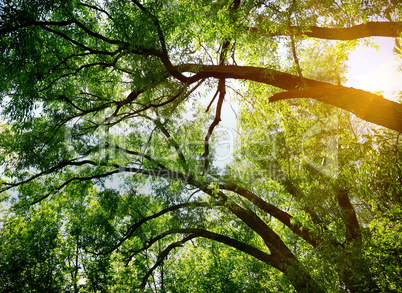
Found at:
<point>135,153</point>
<point>363,104</point>
<point>99,36</point>
<point>96,8</point>
<point>8,29</point>
<point>135,50</point>
<point>162,256</point>
<point>195,233</point>
<point>251,219</point>
<point>272,77</point>
<point>284,261</point>
<point>165,56</point>
<point>78,44</point>
<point>182,95</point>
<point>277,213</point>
<point>51,170</point>
<point>128,100</point>
<point>263,256</point>
<point>57,189</point>
<point>215,122</point>
<point>271,239</point>
<point>77,70</point>
<point>130,230</point>
<point>370,29</point>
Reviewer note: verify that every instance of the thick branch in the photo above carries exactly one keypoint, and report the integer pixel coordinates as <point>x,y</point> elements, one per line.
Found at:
<point>272,77</point>
<point>349,216</point>
<point>365,105</point>
<point>258,254</point>
<point>370,29</point>
<point>275,244</point>
<point>195,233</point>
<point>277,213</point>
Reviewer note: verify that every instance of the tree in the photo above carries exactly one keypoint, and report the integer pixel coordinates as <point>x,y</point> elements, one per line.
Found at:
<point>29,260</point>
<point>96,90</point>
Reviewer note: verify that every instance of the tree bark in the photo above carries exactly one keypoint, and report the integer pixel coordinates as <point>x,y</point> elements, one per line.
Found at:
<point>282,258</point>
<point>370,29</point>
<point>365,105</point>
<point>282,216</point>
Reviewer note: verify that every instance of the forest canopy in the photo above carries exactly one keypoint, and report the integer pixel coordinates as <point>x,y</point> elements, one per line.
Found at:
<point>111,147</point>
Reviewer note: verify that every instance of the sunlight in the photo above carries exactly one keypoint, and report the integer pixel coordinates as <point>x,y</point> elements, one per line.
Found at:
<point>375,70</point>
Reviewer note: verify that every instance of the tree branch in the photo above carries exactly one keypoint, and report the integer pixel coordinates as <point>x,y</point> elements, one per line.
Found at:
<point>217,119</point>
<point>131,230</point>
<point>222,92</point>
<point>78,44</point>
<point>165,56</point>
<point>99,36</point>
<point>8,29</point>
<point>51,170</point>
<point>272,77</point>
<point>162,256</point>
<point>96,8</point>
<point>349,217</point>
<point>195,232</point>
<point>370,29</point>
<point>57,189</point>
<point>363,104</point>
<point>167,134</point>
<point>277,213</point>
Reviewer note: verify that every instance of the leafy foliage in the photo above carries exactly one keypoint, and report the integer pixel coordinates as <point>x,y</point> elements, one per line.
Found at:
<point>110,148</point>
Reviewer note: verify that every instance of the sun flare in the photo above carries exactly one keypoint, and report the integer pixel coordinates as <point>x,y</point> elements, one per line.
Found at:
<point>375,70</point>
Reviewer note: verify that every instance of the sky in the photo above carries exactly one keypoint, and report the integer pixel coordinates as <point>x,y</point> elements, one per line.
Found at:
<point>375,70</point>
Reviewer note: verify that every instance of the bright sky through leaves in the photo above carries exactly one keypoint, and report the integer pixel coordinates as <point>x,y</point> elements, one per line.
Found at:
<point>375,70</point>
